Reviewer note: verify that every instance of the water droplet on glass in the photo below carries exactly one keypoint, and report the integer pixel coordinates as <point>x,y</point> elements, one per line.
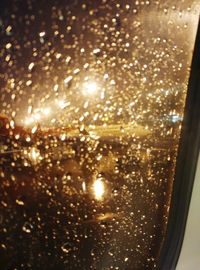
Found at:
<point>27,227</point>
<point>67,247</point>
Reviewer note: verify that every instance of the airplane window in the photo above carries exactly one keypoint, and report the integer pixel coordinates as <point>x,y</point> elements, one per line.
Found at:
<point>92,97</point>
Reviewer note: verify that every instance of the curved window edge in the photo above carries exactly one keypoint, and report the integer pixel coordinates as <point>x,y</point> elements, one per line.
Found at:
<point>185,169</point>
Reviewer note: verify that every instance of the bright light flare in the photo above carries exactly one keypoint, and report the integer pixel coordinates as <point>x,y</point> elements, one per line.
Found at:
<point>84,186</point>
<point>28,121</point>
<point>33,155</point>
<point>90,88</point>
<point>98,189</point>
<point>62,104</point>
<point>32,119</point>
<point>46,111</point>
<point>37,116</point>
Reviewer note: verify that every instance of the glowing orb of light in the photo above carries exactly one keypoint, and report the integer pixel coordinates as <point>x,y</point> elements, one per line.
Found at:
<point>33,155</point>
<point>98,189</point>
<point>37,116</point>
<point>90,88</point>
<point>46,111</point>
<point>62,104</point>
<point>29,121</point>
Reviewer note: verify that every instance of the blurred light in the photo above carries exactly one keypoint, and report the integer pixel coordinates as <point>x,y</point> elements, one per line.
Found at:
<point>12,124</point>
<point>90,88</point>
<point>34,129</point>
<point>98,189</point>
<point>176,118</point>
<point>62,137</point>
<point>96,51</point>
<point>29,121</point>
<point>63,104</point>
<point>46,111</point>
<point>33,155</point>
<point>37,116</point>
<point>42,34</point>
<point>84,186</point>
<point>68,79</point>
<point>30,66</point>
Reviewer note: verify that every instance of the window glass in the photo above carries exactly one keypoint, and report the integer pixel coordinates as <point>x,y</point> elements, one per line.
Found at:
<point>92,95</point>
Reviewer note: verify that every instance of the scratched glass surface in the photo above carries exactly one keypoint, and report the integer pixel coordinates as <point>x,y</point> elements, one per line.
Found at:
<point>92,96</point>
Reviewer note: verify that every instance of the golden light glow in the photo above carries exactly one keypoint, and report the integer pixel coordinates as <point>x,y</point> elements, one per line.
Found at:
<point>33,155</point>
<point>98,189</point>
<point>84,186</point>
<point>29,121</point>
<point>37,116</point>
<point>90,88</point>
<point>62,104</point>
<point>46,111</point>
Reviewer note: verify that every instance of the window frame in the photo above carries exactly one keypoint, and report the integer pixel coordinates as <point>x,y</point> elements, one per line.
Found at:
<point>187,157</point>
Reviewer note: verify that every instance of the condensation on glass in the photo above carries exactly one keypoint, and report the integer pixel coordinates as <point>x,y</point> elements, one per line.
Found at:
<point>92,98</point>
